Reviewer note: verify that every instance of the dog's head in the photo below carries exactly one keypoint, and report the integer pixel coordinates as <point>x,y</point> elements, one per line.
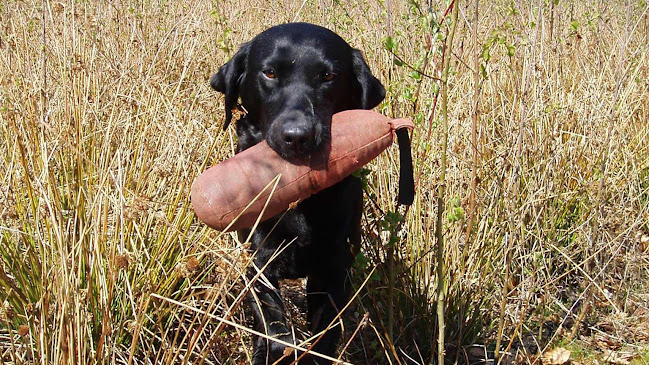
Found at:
<point>291,79</point>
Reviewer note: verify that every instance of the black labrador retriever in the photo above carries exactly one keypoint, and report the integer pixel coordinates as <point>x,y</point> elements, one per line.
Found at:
<point>290,80</point>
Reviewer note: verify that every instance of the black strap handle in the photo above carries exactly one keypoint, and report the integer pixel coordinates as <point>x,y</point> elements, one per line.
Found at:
<point>406,175</point>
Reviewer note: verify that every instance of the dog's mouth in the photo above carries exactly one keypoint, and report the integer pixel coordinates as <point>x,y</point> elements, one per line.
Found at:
<point>296,140</point>
<point>296,151</point>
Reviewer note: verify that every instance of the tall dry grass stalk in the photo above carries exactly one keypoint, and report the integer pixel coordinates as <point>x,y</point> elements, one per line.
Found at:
<point>106,117</point>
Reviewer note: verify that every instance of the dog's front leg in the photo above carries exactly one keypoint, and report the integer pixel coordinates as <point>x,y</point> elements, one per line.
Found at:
<point>326,296</point>
<point>269,318</point>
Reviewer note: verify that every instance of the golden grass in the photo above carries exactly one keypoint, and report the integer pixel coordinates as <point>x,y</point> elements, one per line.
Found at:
<point>106,116</point>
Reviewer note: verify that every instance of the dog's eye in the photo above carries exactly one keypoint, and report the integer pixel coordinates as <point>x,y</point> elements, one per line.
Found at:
<point>327,76</point>
<point>269,73</point>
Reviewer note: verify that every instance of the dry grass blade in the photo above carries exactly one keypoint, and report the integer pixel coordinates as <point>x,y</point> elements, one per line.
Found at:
<point>256,333</point>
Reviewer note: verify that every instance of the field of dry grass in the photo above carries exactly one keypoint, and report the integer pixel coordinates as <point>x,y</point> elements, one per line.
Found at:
<point>106,117</point>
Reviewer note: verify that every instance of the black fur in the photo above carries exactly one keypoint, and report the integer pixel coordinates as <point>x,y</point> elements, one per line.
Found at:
<point>290,80</point>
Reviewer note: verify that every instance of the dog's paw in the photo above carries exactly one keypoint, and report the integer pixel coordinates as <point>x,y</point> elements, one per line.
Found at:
<point>272,352</point>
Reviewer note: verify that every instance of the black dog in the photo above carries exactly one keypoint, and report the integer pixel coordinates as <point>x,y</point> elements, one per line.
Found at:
<point>291,79</point>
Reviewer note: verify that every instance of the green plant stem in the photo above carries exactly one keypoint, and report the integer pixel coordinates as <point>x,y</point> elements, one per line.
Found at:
<point>441,275</point>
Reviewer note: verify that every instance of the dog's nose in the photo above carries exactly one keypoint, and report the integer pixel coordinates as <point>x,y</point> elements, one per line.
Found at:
<point>296,136</point>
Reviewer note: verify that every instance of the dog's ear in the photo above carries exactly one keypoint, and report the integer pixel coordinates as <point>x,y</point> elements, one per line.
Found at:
<point>228,79</point>
<point>371,91</point>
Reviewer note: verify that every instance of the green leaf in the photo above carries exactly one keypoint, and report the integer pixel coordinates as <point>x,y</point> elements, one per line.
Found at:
<point>415,75</point>
<point>483,71</point>
<point>390,44</point>
<point>485,55</point>
<point>574,25</point>
<point>435,88</point>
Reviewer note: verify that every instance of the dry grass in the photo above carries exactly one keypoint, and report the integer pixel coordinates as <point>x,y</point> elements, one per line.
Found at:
<point>106,117</point>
